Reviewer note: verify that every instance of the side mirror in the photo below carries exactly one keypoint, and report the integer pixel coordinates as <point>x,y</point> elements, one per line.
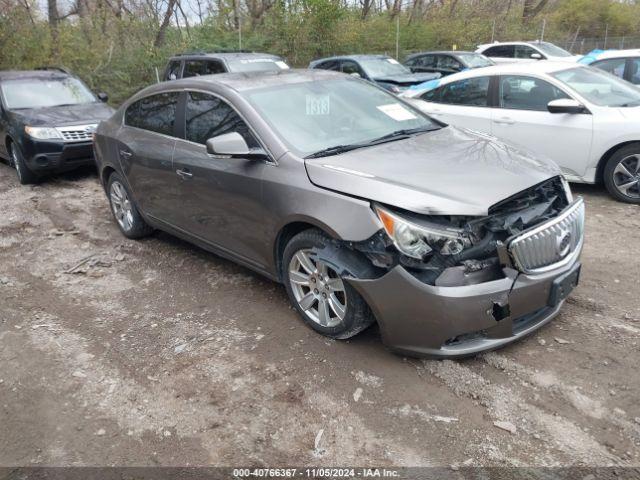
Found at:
<point>566,105</point>
<point>233,145</point>
<point>536,56</point>
<point>103,97</point>
<point>355,74</point>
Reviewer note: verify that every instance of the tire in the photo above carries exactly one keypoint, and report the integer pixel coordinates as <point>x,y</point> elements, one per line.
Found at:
<point>124,210</point>
<point>622,174</point>
<point>328,289</point>
<point>25,176</point>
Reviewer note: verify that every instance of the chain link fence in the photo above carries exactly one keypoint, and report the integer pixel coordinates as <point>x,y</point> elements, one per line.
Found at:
<point>585,45</point>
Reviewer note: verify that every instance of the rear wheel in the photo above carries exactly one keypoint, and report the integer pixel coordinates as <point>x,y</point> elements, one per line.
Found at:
<point>25,176</point>
<point>326,302</point>
<point>124,209</point>
<point>622,174</point>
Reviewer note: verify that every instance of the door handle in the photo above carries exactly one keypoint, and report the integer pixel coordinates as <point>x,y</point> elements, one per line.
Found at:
<point>184,174</point>
<point>125,154</point>
<point>504,121</point>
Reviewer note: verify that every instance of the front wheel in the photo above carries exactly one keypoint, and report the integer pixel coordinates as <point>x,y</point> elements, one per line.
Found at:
<point>622,174</point>
<point>25,176</point>
<point>326,302</point>
<point>124,209</point>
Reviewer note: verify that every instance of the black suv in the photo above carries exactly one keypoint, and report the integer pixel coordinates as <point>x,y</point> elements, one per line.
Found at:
<point>47,120</point>
<point>196,64</point>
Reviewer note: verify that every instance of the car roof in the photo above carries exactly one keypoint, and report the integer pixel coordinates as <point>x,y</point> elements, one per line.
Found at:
<point>244,81</point>
<point>443,52</point>
<point>519,42</point>
<point>224,55</point>
<point>603,54</point>
<point>354,57</point>
<point>25,74</point>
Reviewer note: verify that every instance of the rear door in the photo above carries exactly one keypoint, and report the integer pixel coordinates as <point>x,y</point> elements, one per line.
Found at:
<point>464,103</point>
<point>145,150</point>
<point>522,118</point>
<point>220,198</point>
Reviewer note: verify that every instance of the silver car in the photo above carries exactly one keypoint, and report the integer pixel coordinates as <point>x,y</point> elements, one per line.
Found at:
<point>364,207</point>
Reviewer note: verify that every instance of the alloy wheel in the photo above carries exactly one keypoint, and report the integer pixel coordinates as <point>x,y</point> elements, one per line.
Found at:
<point>121,205</point>
<point>318,289</point>
<point>626,176</point>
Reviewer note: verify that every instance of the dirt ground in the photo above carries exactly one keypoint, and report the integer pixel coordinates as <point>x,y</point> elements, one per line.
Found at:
<point>155,352</point>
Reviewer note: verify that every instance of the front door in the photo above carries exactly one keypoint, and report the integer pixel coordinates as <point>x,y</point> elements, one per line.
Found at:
<point>220,198</point>
<point>522,118</point>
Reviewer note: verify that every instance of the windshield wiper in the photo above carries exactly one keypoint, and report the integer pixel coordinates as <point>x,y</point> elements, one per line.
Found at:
<point>397,135</point>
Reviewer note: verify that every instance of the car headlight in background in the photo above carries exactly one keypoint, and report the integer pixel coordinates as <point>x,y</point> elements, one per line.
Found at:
<point>42,133</point>
<point>567,189</point>
<point>416,241</point>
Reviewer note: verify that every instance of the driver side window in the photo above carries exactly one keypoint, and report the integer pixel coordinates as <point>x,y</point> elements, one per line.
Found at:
<point>527,93</point>
<point>207,116</point>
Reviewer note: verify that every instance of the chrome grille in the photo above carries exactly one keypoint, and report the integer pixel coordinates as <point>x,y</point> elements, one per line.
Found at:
<point>552,244</point>
<point>77,133</point>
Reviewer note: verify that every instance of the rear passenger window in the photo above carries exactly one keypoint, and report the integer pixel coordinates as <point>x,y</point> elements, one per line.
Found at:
<point>471,92</point>
<point>173,72</point>
<point>500,51</point>
<point>612,65</point>
<point>155,113</point>
<point>330,65</point>
<point>208,116</point>
<point>195,68</point>
<point>527,93</point>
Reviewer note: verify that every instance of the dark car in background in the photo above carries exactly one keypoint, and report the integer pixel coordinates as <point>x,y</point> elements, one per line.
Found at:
<point>47,121</point>
<point>364,207</point>
<point>210,63</point>
<point>380,69</point>
<point>446,62</point>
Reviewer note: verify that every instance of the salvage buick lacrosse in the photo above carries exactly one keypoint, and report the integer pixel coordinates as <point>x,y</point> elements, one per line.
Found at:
<point>365,208</point>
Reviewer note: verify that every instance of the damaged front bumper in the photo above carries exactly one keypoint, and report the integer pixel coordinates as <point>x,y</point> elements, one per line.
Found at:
<point>420,319</point>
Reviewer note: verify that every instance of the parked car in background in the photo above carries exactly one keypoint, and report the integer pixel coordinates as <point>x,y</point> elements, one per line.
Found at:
<point>365,208</point>
<point>621,63</point>
<point>380,69</point>
<point>510,52</point>
<point>202,63</point>
<point>584,119</point>
<point>446,63</point>
<point>47,119</point>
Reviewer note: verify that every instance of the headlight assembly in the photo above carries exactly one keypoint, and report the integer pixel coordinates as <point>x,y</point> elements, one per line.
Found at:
<point>567,190</point>
<point>416,241</point>
<point>42,133</point>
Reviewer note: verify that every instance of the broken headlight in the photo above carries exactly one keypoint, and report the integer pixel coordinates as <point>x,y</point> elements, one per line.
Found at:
<point>416,241</point>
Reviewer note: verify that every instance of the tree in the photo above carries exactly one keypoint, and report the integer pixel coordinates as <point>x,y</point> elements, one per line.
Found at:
<point>532,8</point>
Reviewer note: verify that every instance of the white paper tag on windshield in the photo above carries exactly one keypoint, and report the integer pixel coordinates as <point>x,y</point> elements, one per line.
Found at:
<point>393,60</point>
<point>282,65</point>
<point>397,112</point>
<point>317,104</point>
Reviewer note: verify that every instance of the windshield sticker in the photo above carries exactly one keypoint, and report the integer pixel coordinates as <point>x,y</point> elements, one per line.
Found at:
<point>317,104</point>
<point>397,112</point>
<point>282,65</point>
<point>393,60</point>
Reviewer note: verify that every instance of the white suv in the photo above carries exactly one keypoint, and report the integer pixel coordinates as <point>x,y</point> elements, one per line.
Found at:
<point>509,52</point>
<point>584,119</point>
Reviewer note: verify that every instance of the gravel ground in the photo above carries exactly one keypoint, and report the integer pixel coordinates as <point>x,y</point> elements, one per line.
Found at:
<point>155,352</point>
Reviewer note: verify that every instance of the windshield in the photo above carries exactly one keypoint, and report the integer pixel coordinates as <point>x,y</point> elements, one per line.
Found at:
<point>257,65</point>
<point>314,116</point>
<point>475,60</point>
<point>383,67</point>
<point>49,92</point>
<point>551,49</point>
<point>599,87</point>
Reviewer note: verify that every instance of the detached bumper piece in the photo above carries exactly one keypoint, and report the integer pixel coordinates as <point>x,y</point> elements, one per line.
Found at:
<point>457,321</point>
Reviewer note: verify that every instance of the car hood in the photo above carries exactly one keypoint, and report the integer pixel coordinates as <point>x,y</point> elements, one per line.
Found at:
<point>60,116</point>
<point>450,171</point>
<point>408,79</point>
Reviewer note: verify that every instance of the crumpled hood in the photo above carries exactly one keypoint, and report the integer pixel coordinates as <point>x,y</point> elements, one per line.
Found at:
<point>450,171</point>
<point>59,116</point>
<point>408,79</point>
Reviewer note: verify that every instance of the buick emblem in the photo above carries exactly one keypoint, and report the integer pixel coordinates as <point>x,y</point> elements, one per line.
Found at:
<point>563,243</point>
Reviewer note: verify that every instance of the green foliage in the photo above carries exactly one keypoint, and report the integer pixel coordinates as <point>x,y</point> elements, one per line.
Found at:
<point>116,55</point>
